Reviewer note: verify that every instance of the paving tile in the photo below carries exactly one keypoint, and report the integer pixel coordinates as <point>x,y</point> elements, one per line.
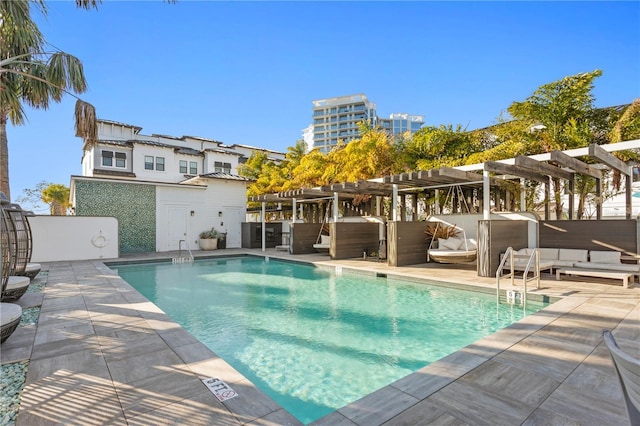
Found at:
<point>18,346</point>
<point>424,413</point>
<point>277,418</point>
<point>333,419</point>
<point>52,303</point>
<point>152,393</point>
<point>201,410</point>
<point>435,376</point>
<point>62,317</point>
<point>586,408</point>
<point>510,382</point>
<point>71,344</point>
<point>29,300</point>
<point>193,353</point>
<point>71,331</point>
<point>477,407</point>
<point>551,357</point>
<point>70,398</point>
<point>378,407</point>
<point>129,343</point>
<point>85,362</point>
<point>140,366</point>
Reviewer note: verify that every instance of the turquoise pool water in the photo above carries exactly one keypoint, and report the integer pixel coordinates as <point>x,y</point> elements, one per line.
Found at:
<point>311,339</point>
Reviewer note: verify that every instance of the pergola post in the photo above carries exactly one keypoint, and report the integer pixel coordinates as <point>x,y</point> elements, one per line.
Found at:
<point>571,198</point>
<point>486,195</point>
<point>598,198</point>
<point>403,207</point>
<point>394,203</point>
<point>264,231</point>
<point>414,205</point>
<point>523,195</point>
<point>628,201</point>
<point>335,207</point>
<point>437,203</point>
<point>294,207</point>
<point>547,200</point>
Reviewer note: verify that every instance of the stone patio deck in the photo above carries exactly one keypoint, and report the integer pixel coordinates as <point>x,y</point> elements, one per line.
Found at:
<point>103,354</point>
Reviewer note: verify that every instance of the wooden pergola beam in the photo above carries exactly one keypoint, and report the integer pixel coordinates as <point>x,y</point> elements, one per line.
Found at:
<point>507,169</point>
<point>574,164</point>
<point>598,153</point>
<point>542,168</point>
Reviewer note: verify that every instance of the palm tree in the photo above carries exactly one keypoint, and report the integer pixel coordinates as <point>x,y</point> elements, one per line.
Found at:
<point>57,196</point>
<point>32,75</point>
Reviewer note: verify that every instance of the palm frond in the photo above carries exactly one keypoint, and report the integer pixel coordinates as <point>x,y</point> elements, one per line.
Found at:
<point>86,122</point>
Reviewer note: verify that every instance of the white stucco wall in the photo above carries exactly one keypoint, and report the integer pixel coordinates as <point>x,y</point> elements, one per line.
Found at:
<point>221,204</point>
<point>57,238</point>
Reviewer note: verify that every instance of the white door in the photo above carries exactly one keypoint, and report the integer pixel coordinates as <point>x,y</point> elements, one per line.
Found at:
<point>177,227</point>
<point>232,225</point>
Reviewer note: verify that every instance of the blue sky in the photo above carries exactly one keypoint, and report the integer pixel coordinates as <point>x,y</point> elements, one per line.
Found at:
<point>246,72</point>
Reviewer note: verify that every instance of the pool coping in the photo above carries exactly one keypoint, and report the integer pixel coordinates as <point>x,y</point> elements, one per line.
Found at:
<point>390,404</point>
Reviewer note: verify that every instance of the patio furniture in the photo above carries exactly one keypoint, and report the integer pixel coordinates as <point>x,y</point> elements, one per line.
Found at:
<point>323,245</point>
<point>598,273</point>
<point>16,287</point>
<point>453,250</point>
<point>628,370</point>
<point>10,315</point>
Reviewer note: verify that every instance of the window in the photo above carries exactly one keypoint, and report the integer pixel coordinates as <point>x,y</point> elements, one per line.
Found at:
<point>107,159</point>
<point>193,168</point>
<point>183,167</point>
<point>222,167</point>
<point>121,159</point>
<point>149,163</point>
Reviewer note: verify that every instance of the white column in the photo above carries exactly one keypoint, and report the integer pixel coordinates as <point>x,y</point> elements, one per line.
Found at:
<point>486,196</point>
<point>394,203</point>
<point>294,210</point>
<point>335,207</point>
<point>437,204</point>
<point>523,196</point>
<point>264,230</point>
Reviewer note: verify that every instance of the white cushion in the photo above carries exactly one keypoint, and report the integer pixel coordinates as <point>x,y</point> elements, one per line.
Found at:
<point>325,239</point>
<point>576,255</point>
<point>564,263</point>
<point>450,243</point>
<point>33,266</point>
<point>17,282</point>
<point>548,253</point>
<point>608,266</point>
<point>607,256</point>
<point>9,312</point>
<point>525,251</point>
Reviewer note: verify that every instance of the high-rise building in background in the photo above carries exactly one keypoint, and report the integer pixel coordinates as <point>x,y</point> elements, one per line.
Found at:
<point>336,119</point>
<point>399,123</point>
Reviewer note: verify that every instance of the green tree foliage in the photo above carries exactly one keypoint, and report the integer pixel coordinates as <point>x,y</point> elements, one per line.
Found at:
<point>33,74</point>
<point>628,125</point>
<point>55,195</point>
<point>433,147</point>
<point>554,105</point>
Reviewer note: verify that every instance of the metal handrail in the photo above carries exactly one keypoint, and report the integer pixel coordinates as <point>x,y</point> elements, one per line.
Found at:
<point>532,261</point>
<point>188,249</point>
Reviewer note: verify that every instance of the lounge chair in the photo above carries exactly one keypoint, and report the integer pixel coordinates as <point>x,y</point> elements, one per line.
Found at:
<point>628,370</point>
<point>10,315</point>
<point>454,250</point>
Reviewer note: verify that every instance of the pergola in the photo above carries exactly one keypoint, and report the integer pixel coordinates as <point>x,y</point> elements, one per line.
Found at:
<point>539,168</point>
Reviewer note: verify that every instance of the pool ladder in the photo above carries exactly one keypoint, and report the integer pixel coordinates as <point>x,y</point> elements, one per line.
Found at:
<point>533,264</point>
<point>180,258</point>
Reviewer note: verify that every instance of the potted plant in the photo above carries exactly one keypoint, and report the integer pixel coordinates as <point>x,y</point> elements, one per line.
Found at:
<point>209,239</point>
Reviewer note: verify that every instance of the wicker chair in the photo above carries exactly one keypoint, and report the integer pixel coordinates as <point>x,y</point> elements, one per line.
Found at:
<point>10,315</point>
<point>23,241</point>
<point>628,370</point>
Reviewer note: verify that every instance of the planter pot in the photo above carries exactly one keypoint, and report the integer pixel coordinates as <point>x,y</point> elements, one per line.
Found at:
<point>222,243</point>
<point>208,243</point>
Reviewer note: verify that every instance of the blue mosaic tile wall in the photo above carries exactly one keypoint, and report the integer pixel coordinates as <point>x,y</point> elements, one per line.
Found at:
<point>133,205</point>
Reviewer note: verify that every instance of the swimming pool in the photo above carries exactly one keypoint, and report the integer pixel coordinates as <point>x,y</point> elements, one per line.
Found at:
<point>311,339</point>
